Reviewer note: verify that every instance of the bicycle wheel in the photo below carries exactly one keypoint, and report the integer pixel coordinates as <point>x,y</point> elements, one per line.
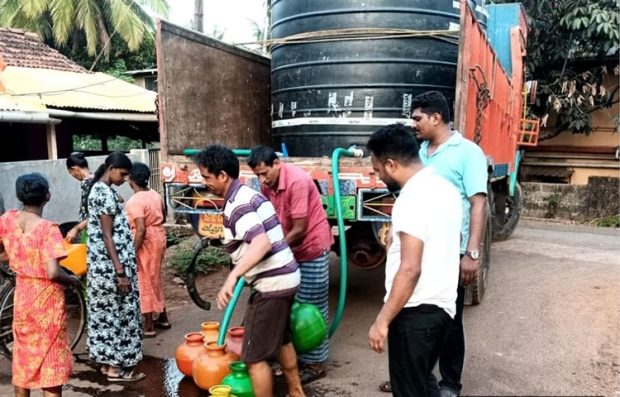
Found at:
<point>76,318</point>
<point>76,314</point>
<point>6,319</point>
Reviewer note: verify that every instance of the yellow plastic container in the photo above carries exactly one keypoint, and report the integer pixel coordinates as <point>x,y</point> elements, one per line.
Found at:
<point>76,259</point>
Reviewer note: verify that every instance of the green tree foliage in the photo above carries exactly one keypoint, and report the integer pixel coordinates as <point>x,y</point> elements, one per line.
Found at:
<point>572,47</point>
<point>121,57</point>
<point>96,22</point>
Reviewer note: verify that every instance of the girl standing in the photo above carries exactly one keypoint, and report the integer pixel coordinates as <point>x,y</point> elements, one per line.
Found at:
<point>77,167</point>
<point>145,210</point>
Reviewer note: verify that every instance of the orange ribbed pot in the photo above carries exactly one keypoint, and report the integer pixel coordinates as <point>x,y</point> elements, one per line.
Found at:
<point>234,341</point>
<point>210,331</point>
<point>187,351</point>
<point>211,366</point>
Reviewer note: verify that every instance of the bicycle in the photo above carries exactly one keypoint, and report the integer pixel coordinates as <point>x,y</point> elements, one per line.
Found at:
<point>75,300</point>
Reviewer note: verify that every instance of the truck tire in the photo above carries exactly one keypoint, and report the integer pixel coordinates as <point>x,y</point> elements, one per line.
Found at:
<point>506,213</point>
<point>480,284</point>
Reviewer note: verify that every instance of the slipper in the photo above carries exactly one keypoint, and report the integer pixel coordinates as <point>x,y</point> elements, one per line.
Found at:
<point>164,325</point>
<point>386,387</point>
<point>149,334</point>
<point>127,376</point>
<point>276,369</point>
<point>309,374</point>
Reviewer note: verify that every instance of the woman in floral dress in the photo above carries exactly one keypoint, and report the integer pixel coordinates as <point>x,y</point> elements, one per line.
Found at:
<point>41,354</point>
<point>114,323</point>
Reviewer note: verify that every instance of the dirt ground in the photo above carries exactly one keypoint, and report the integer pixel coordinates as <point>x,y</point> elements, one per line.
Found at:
<point>176,294</point>
<point>549,325</point>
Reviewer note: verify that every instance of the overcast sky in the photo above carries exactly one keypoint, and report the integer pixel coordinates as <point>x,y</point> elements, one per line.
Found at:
<point>231,16</point>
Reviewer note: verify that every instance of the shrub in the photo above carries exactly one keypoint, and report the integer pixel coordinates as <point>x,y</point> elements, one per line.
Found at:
<point>610,221</point>
<point>208,259</point>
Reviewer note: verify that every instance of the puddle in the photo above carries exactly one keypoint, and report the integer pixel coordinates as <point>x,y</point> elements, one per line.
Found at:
<point>163,379</point>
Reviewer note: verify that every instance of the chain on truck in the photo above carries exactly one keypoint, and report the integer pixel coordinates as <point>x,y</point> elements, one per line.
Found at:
<point>336,72</point>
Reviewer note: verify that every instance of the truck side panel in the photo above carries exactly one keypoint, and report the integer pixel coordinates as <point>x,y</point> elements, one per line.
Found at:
<point>209,92</point>
<point>492,120</point>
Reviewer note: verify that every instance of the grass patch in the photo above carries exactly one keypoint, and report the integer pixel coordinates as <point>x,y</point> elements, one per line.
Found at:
<point>610,221</point>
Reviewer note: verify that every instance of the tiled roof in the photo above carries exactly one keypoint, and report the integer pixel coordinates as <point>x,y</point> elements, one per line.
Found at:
<point>25,49</point>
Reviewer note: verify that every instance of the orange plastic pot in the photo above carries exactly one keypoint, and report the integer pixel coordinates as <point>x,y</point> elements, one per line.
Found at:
<point>211,366</point>
<point>210,331</point>
<point>76,258</point>
<point>187,352</point>
<point>234,342</point>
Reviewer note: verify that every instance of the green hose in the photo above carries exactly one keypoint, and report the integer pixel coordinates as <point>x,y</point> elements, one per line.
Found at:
<point>238,152</point>
<point>342,294</point>
<point>229,311</point>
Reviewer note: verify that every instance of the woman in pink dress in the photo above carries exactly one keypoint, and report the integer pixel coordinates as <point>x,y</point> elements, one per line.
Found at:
<point>41,355</point>
<point>145,210</point>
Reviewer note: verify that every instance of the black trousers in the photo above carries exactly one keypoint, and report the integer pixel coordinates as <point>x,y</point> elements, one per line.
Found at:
<point>452,355</point>
<point>415,339</point>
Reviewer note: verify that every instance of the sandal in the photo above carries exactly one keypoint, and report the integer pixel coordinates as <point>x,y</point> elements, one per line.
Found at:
<point>276,369</point>
<point>104,369</point>
<point>162,325</point>
<point>126,376</point>
<point>309,374</point>
<point>149,334</point>
<point>386,387</point>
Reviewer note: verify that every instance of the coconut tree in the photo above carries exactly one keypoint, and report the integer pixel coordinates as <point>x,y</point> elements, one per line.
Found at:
<point>63,21</point>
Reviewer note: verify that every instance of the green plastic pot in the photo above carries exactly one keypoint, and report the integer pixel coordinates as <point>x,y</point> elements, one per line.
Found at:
<point>308,327</point>
<point>239,380</point>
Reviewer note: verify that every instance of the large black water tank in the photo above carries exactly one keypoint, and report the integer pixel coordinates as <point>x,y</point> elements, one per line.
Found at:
<point>335,94</point>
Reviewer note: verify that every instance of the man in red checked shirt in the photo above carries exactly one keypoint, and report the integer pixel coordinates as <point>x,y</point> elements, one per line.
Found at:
<point>299,208</point>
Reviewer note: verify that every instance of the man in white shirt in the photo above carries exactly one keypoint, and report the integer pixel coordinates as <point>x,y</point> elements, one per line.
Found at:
<point>422,268</point>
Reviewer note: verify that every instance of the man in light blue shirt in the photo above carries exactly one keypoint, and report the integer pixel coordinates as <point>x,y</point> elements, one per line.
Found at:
<point>464,164</point>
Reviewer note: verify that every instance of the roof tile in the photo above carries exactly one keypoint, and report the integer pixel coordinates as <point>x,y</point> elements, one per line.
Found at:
<point>25,49</point>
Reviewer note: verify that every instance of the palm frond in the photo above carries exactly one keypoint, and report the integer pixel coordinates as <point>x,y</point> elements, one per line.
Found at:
<point>8,10</point>
<point>160,7</point>
<point>126,23</point>
<point>33,8</point>
<point>86,15</point>
<point>62,14</point>
<point>147,19</point>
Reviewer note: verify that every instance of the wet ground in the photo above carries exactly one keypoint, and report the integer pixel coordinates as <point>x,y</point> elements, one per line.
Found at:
<point>549,325</point>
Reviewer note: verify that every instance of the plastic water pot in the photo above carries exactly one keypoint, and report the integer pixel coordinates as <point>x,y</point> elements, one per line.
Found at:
<point>308,327</point>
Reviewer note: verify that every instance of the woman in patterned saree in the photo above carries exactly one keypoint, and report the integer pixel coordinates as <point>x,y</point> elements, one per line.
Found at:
<point>114,323</point>
<point>41,354</point>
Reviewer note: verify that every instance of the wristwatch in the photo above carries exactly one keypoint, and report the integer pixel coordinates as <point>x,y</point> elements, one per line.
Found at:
<point>473,254</point>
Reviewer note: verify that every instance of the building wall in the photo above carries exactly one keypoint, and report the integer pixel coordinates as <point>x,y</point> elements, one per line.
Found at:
<point>598,199</point>
<point>64,204</point>
<point>586,155</point>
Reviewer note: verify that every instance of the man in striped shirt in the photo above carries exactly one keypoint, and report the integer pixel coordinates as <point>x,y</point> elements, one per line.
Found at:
<point>307,231</point>
<point>255,241</point>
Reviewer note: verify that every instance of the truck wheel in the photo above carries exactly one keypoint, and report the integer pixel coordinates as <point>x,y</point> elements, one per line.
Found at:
<point>480,284</point>
<point>363,249</point>
<point>506,214</point>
